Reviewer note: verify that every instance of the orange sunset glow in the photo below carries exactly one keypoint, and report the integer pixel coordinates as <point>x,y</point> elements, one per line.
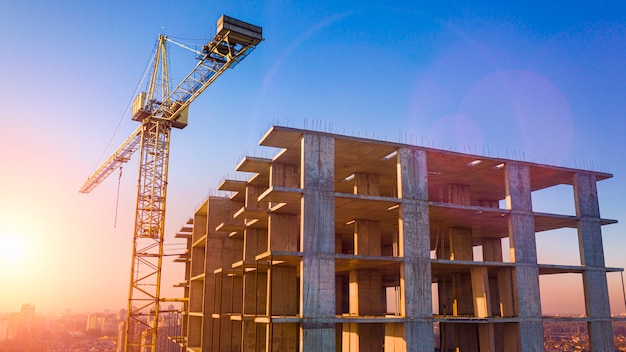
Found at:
<point>530,82</point>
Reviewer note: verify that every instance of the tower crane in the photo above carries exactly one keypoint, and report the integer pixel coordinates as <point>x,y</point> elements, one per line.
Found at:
<point>158,109</point>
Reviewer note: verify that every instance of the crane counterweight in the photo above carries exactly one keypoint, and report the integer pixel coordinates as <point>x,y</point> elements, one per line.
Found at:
<point>240,32</point>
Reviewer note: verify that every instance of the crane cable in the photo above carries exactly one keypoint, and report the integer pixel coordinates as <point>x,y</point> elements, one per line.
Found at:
<point>117,199</point>
<point>128,107</point>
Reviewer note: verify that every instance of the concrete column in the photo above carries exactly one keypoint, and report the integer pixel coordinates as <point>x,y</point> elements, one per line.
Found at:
<point>366,184</point>
<point>462,304</point>
<point>342,294</point>
<point>461,248</point>
<point>443,250</point>
<point>480,292</point>
<point>366,233</point>
<point>486,337</point>
<point>252,197</point>
<point>592,257</point>
<point>394,338</point>
<point>367,238</point>
<point>362,337</point>
<point>482,308</point>
<point>317,231</point>
<point>459,194</point>
<point>465,337</point>
<point>460,239</point>
<point>365,286</point>
<point>505,292</point>
<point>446,297</point>
<point>349,337</point>
<point>492,250</point>
<point>414,246</point>
<point>525,278</point>
<point>511,337</point>
<point>366,291</point>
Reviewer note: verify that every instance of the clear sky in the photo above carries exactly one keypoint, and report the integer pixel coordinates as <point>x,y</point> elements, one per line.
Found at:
<point>541,81</point>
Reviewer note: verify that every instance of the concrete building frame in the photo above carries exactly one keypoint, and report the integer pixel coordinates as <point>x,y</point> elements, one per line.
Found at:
<point>340,243</point>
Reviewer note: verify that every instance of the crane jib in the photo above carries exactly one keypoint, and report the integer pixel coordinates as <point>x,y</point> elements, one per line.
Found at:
<point>239,37</point>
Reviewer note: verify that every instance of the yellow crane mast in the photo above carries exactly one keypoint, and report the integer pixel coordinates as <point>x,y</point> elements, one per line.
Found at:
<point>159,109</point>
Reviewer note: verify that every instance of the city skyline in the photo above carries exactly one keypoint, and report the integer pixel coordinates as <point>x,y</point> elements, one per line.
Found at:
<point>534,82</point>
<point>87,330</point>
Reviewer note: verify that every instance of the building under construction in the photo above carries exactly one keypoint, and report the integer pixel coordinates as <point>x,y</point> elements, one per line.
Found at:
<point>340,243</point>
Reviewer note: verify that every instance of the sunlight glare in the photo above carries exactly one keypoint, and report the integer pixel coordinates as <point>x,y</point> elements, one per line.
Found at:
<point>12,247</point>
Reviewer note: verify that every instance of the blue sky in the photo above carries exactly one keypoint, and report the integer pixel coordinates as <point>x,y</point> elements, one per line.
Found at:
<point>536,81</point>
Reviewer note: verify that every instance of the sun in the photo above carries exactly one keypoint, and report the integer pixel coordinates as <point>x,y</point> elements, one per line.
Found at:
<point>12,247</point>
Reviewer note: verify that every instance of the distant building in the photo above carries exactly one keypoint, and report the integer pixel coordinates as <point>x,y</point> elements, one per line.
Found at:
<point>102,324</point>
<point>121,333</point>
<point>170,328</point>
<point>4,328</point>
<point>26,322</point>
<point>121,315</point>
<point>340,243</point>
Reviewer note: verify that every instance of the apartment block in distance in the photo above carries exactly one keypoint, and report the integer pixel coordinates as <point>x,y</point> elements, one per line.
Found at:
<point>340,243</point>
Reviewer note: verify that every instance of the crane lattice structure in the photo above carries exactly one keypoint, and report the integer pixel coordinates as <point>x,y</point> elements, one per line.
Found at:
<point>159,109</point>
